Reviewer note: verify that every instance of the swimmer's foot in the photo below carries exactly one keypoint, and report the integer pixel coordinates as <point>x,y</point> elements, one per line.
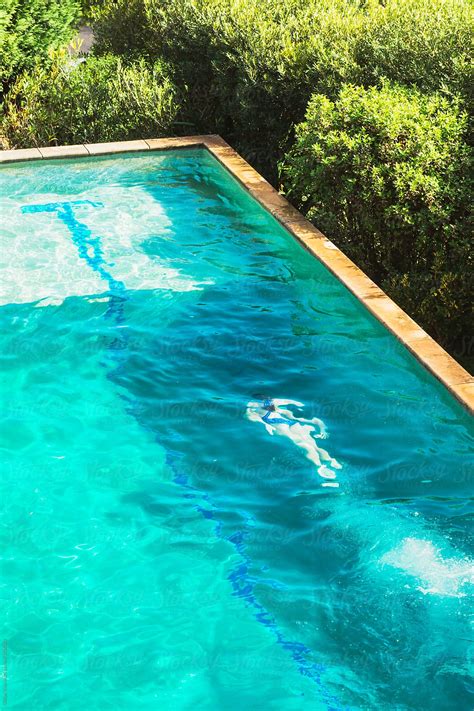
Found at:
<point>335,464</point>
<point>326,473</point>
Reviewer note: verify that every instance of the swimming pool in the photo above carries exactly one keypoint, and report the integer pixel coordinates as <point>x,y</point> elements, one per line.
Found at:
<point>160,547</point>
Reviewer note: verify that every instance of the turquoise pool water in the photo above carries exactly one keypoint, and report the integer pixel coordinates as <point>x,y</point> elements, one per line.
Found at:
<point>161,550</point>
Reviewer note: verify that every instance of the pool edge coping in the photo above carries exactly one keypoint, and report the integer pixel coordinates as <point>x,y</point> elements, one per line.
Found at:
<point>426,350</point>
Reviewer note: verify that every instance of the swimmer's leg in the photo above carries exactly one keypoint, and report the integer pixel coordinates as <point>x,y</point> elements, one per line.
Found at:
<point>303,437</point>
<point>312,453</point>
<point>327,458</point>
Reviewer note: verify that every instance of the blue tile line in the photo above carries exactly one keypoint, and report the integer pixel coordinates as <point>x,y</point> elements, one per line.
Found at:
<point>90,249</point>
<point>243,586</point>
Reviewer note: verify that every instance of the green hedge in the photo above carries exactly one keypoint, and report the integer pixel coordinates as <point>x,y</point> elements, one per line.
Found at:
<point>120,27</point>
<point>386,173</point>
<point>93,100</point>
<point>250,66</point>
<point>29,29</point>
<point>422,43</point>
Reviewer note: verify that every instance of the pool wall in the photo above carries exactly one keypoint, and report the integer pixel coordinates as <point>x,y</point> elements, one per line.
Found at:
<point>455,378</point>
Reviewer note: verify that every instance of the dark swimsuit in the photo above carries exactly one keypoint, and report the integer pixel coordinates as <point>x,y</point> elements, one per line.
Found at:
<point>278,420</point>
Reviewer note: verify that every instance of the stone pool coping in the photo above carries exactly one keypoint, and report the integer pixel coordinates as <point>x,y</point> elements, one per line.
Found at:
<point>435,359</point>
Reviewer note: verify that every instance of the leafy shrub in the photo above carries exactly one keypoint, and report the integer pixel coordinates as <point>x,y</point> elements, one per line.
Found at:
<point>120,27</point>
<point>87,9</point>
<point>93,100</point>
<point>29,29</point>
<point>423,43</point>
<point>250,66</point>
<point>385,172</point>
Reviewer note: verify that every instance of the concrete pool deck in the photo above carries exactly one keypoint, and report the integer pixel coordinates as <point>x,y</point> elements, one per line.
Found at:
<point>435,359</point>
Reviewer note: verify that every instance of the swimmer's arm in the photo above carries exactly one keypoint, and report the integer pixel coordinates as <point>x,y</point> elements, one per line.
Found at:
<point>323,434</point>
<point>319,423</point>
<point>252,415</point>
<point>255,417</point>
<point>288,414</point>
<point>277,403</point>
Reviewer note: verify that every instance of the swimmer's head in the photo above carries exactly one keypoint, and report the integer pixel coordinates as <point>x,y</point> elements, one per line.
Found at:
<point>268,404</point>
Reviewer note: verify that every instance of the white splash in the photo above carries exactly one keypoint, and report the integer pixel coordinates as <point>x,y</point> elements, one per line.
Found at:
<point>437,575</point>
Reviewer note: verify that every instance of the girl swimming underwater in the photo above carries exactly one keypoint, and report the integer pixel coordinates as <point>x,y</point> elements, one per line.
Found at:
<point>280,421</point>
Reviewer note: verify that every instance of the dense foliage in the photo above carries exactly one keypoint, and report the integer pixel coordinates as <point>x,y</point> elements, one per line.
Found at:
<point>381,162</point>
<point>424,43</point>
<point>29,29</point>
<point>386,171</point>
<point>86,101</point>
<point>251,67</point>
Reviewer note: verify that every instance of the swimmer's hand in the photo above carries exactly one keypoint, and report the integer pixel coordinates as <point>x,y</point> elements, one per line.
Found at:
<point>252,415</point>
<point>253,405</point>
<point>323,431</point>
